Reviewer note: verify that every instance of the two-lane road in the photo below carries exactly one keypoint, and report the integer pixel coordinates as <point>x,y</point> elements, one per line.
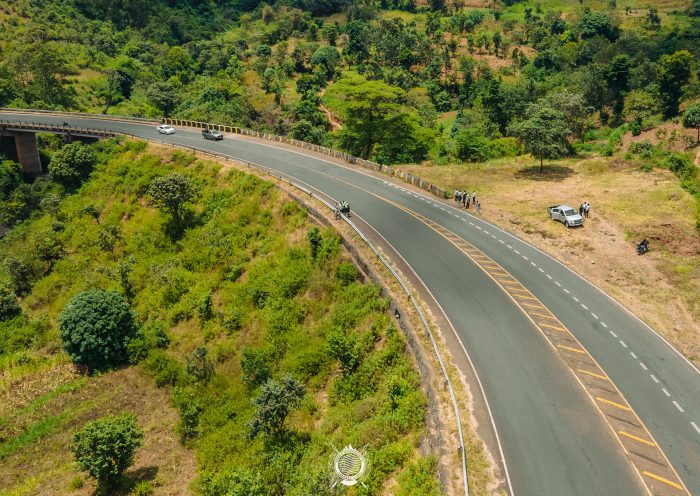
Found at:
<point>558,438</point>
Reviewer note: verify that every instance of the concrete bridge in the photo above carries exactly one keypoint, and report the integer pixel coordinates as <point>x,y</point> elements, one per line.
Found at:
<point>20,138</point>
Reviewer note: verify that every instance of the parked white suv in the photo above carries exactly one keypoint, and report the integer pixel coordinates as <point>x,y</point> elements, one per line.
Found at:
<point>565,214</point>
<point>165,129</point>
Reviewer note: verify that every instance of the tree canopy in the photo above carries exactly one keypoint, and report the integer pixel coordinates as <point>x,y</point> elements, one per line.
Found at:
<point>96,327</point>
<point>106,447</point>
<point>544,133</point>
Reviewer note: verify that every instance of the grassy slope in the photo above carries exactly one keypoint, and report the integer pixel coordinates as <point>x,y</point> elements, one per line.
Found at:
<point>238,221</point>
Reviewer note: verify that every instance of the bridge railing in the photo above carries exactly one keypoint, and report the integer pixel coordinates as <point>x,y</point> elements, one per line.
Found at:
<point>56,128</point>
<point>348,158</point>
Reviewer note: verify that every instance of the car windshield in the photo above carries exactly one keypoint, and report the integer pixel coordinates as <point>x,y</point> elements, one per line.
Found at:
<point>569,212</point>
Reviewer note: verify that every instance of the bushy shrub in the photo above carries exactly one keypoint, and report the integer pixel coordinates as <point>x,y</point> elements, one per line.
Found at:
<point>231,482</point>
<point>256,367</point>
<point>96,327</point>
<point>105,448</point>
<point>9,307</point>
<point>644,148</point>
<point>72,163</point>
<point>346,273</point>
<point>164,369</point>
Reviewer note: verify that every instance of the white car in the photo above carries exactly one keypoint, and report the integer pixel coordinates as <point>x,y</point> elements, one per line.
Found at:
<point>166,129</point>
<point>565,214</point>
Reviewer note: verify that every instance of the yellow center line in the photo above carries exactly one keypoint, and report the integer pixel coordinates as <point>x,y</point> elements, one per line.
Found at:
<point>599,376</point>
<point>575,350</point>
<point>661,479</point>
<point>616,405</point>
<point>639,439</point>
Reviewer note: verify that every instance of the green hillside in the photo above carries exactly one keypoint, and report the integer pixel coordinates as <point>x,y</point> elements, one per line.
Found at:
<point>239,296</point>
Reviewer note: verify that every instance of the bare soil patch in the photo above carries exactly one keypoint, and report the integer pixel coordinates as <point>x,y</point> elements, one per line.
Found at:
<point>661,287</point>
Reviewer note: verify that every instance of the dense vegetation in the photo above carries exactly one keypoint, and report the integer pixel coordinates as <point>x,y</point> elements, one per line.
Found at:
<point>269,343</point>
<point>436,81</point>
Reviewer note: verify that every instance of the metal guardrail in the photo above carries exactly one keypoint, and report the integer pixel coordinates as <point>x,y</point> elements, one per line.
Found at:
<point>386,264</point>
<point>56,128</point>
<point>350,159</point>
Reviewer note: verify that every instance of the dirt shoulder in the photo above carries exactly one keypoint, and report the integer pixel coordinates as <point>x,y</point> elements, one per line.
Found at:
<point>661,287</point>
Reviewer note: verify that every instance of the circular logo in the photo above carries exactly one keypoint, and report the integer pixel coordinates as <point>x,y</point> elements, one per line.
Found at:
<point>349,465</point>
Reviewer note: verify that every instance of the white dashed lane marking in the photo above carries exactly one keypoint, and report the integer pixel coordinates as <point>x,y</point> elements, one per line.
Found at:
<point>594,316</point>
<point>549,277</point>
<point>584,306</point>
<point>509,247</point>
<point>624,345</point>
<point>695,426</point>
<point>557,283</point>
<point>575,299</point>
<point>680,408</point>
<point>666,392</point>
<point>540,269</point>
<point>612,333</point>
<point>567,291</point>
<point>653,378</point>
<point>643,365</point>
<point>604,324</point>
<point>516,251</point>
<point>633,355</point>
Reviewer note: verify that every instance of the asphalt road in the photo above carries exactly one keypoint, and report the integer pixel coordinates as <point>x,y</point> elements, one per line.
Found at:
<point>554,440</point>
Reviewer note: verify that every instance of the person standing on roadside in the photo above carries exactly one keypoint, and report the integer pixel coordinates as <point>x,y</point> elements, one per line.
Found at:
<point>467,202</point>
<point>474,197</point>
<point>458,195</point>
<point>586,209</point>
<point>580,210</point>
<point>478,207</point>
<point>465,198</point>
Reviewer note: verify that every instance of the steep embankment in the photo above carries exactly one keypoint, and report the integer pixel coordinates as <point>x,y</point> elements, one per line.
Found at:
<point>246,278</point>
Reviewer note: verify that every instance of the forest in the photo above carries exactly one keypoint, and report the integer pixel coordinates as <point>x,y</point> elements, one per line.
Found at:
<point>396,81</point>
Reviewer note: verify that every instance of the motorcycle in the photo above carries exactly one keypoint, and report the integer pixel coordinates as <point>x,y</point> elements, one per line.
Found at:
<point>642,247</point>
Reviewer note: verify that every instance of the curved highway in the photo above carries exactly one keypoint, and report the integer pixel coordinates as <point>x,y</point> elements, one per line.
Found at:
<point>564,429</point>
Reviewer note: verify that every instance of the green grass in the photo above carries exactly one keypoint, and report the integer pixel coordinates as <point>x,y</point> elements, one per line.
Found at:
<point>286,306</point>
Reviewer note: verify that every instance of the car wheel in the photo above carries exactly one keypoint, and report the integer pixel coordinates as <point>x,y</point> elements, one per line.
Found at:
<point>566,223</point>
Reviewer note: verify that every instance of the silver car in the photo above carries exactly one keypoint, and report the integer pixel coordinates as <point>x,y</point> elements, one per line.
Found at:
<point>165,129</point>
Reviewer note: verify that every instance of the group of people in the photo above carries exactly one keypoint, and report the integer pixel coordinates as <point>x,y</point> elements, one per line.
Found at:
<point>584,209</point>
<point>466,200</point>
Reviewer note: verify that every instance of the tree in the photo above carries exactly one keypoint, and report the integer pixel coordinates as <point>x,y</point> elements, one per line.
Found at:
<point>21,275</point>
<point>694,9</point>
<point>574,107</point>
<point>96,327</point>
<point>618,75</point>
<point>93,211</point>
<point>9,308</point>
<point>171,192</point>
<point>108,237</point>
<point>164,95</point>
<point>72,163</point>
<point>272,406</point>
<point>314,237</point>
<point>595,23</point>
<point>691,118</point>
<point>544,134</point>
<point>673,71</point>
<point>327,58</point>
<point>10,177</point>
<point>255,365</point>
<point>105,448</point>
<point>51,204</point>
<point>49,249</point>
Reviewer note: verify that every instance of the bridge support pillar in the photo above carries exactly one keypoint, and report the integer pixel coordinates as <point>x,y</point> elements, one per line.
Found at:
<point>27,152</point>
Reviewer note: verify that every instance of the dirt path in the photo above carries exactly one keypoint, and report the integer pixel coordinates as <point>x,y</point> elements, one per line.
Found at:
<point>335,125</point>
